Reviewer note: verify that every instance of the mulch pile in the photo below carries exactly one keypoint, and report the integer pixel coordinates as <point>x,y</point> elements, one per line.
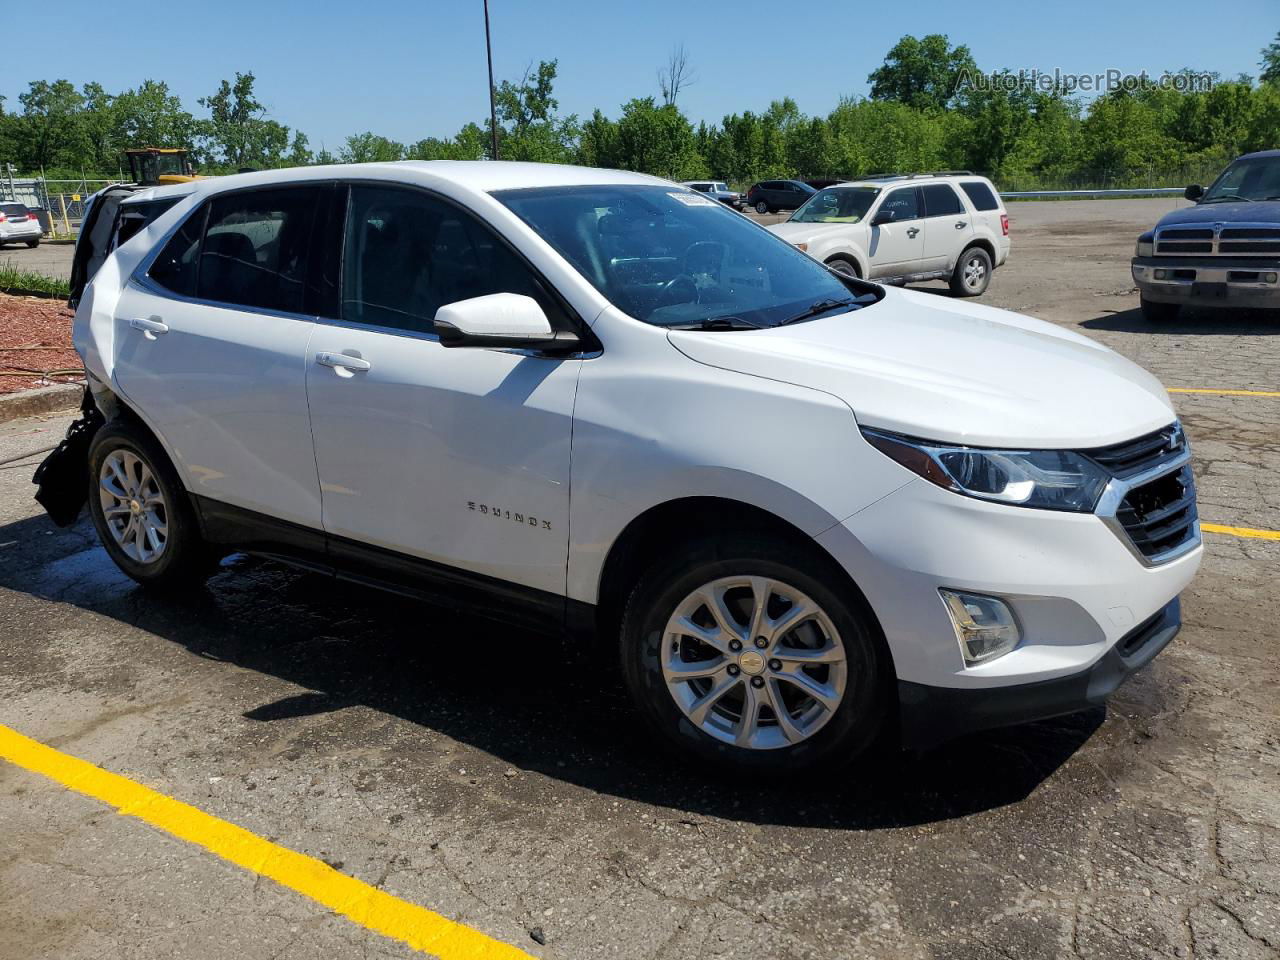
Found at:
<point>35,344</point>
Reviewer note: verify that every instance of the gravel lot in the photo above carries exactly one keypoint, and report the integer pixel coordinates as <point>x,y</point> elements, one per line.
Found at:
<point>358,728</point>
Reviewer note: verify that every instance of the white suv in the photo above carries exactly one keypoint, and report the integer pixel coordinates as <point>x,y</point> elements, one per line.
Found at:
<point>905,229</point>
<point>18,224</point>
<point>808,509</point>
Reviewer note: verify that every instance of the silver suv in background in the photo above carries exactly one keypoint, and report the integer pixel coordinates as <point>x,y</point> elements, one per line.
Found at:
<point>718,190</point>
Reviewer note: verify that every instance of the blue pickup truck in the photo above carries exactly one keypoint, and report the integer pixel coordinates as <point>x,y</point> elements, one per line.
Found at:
<point>1224,252</point>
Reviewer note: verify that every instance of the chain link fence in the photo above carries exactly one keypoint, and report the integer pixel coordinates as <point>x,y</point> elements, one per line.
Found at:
<point>61,202</point>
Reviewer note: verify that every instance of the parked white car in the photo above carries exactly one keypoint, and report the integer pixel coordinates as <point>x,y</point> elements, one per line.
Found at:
<point>18,224</point>
<point>907,229</point>
<point>807,509</point>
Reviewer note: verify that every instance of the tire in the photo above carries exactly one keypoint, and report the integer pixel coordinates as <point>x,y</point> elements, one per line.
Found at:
<point>824,733</point>
<point>33,243</point>
<point>158,546</point>
<point>1155,312</point>
<point>972,274</point>
<point>762,207</point>
<point>844,268</point>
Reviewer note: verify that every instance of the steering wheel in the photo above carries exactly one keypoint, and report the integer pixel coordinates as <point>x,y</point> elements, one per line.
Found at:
<point>705,256</point>
<point>672,289</point>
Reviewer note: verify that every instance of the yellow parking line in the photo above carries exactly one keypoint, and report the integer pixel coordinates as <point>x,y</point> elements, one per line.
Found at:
<point>1226,393</point>
<point>368,906</point>
<point>1241,531</point>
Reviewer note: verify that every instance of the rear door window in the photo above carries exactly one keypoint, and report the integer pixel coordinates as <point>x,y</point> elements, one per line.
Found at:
<point>981,196</point>
<point>941,201</point>
<point>176,266</point>
<point>256,246</point>
<point>408,253</point>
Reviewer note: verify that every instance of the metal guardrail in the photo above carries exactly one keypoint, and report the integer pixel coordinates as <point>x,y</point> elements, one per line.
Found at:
<point>1092,194</point>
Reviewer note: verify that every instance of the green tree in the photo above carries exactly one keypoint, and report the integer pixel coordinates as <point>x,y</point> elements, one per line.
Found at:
<point>238,133</point>
<point>49,124</point>
<point>529,127</point>
<point>370,148</point>
<point>151,116</point>
<point>1270,62</point>
<point>922,73</point>
<point>657,140</point>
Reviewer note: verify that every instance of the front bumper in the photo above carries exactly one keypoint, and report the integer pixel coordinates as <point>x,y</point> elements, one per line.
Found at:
<point>1210,282</point>
<point>931,715</point>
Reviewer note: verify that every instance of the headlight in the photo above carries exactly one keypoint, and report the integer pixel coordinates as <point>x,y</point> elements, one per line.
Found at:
<point>1045,479</point>
<point>1145,248</point>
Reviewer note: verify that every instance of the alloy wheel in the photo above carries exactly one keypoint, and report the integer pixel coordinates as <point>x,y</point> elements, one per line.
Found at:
<point>754,662</point>
<point>133,506</point>
<point>975,270</point>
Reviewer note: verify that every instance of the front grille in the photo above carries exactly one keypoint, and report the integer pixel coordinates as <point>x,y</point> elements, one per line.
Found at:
<point>1157,516</point>
<point>1161,515</point>
<point>1252,240</point>
<point>1128,459</point>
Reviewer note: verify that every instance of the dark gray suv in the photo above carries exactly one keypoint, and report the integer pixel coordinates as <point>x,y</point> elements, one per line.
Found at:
<point>770,196</point>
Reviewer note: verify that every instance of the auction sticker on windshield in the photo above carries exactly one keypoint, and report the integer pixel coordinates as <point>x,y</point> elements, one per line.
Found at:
<point>692,199</point>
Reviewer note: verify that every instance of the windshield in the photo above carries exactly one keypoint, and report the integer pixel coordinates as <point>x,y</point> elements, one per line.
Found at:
<point>673,257</point>
<point>837,205</point>
<point>1254,179</point>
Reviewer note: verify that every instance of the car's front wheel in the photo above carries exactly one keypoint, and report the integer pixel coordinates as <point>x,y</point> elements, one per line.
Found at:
<point>746,654</point>
<point>843,267</point>
<point>762,207</point>
<point>141,511</point>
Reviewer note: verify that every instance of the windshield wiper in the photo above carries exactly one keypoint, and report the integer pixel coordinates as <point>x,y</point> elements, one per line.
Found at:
<point>821,307</point>
<point>1227,196</point>
<point>717,323</point>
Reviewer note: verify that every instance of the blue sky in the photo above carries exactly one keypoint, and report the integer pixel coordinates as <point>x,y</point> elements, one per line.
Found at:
<point>410,69</point>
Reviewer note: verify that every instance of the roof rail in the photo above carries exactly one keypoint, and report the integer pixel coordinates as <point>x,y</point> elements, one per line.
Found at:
<point>916,176</point>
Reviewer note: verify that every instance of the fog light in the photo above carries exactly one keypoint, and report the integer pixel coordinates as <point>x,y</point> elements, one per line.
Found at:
<point>1271,277</point>
<point>984,626</point>
<point>1162,274</point>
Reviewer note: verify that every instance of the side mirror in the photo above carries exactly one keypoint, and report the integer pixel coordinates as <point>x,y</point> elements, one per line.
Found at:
<point>508,320</point>
<point>1194,192</point>
<point>883,216</point>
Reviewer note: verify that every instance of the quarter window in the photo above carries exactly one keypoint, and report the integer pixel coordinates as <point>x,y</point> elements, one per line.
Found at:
<point>256,247</point>
<point>407,254</point>
<point>941,201</point>
<point>981,196</point>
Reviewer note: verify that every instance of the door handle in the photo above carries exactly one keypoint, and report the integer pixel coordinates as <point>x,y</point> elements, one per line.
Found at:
<point>150,328</point>
<point>342,361</point>
<point>960,224</point>
<point>912,231</point>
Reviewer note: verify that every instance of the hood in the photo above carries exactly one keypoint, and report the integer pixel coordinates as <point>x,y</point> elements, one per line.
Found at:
<point>1259,211</point>
<point>929,367</point>
<point>793,232</point>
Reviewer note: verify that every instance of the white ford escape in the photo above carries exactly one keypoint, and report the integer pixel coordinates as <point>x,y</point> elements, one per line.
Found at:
<point>904,229</point>
<point>808,509</point>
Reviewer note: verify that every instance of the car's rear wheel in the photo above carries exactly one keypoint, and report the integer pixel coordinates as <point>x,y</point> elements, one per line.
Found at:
<point>141,511</point>
<point>744,656</point>
<point>1155,312</point>
<point>33,243</point>
<point>972,274</point>
<point>762,207</point>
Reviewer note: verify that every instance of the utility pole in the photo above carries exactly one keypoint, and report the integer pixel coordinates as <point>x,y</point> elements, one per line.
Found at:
<point>493,110</point>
